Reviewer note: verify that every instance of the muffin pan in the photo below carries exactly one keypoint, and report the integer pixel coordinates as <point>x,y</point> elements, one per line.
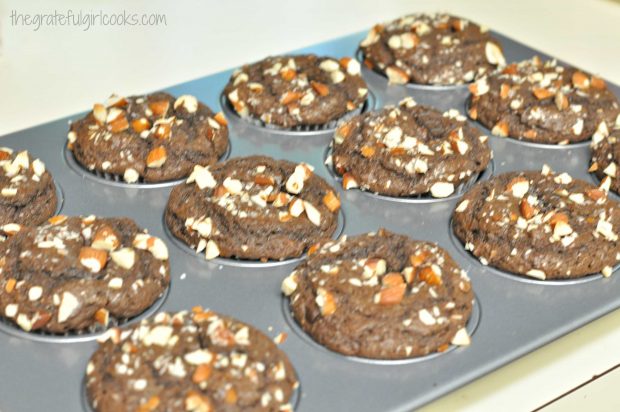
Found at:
<point>513,317</point>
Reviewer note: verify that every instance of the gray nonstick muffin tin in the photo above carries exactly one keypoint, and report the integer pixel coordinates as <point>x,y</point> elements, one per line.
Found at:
<point>512,316</point>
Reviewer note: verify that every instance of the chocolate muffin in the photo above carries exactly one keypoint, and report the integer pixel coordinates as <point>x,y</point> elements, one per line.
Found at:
<point>27,190</point>
<point>437,49</point>
<point>199,361</point>
<point>302,90</point>
<point>606,155</point>
<point>543,103</point>
<point>541,225</point>
<point>409,150</point>
<point>253,208</point>
<point>79,274</point>
<point>381,296</point>
<point>152,138</point>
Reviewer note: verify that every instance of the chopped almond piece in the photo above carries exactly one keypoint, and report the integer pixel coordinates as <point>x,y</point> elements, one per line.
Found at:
<point>159,108</point>
<point>428,275</point>
<point>156,157</point>
<point>331,201</point>
<point>597,83</point>
<point>580,80</point>
<point>202,373</point>
<point>288,74</point>
<point>541,93</point>
<point>219,117</point>
<point>320,88</point>
<point>119,124</point>
<point>93,259</point>
<point>527,211</point>
<point>140,125</point>
<point>10,285</point>
<point>504,90</point>
<point>290,97</point>
<point>368,151</point>
<point>392,279</point>
<point>392,295</point>
<point>263,180</point>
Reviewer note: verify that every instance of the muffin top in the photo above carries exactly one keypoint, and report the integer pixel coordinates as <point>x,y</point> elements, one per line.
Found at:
<point>381,296</point>
<point>253,208</point>
<point>543,102</point>
<point>150,138</point>
<point>189,361</point>
<point>297,90</point>
<point>408,150</point>
<point>543,225</point>
<point>27,190</point>
<point>79,274</point>
<point>437,49</point>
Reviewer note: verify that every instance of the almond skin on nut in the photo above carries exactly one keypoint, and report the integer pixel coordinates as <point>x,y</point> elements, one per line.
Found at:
<point>392,295</point>
<point>320,88</point>
<point>159,108</point>
<point>93,259</point>
<point>156,157</point>
<point>331,201</point>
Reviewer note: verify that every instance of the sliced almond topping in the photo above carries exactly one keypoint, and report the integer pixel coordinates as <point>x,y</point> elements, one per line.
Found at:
<point>558,218</point>
<point>442,189</point>
<point>93,259</point>
<point>430,276</point>
<point>219,117</point>
<point>541,93</point>
<point>597,83</point>
<point>56,220</point>
<point>518,186</point>
<point>296,207</point>
<point>494,54</point>
<point>313,213</point>
<point>392,279</point>
<point>10,285</point>
<point>326,302</point>
<point>580,80</point>
<point>595,194</point>
<point>131,175</point>
<point>349,182</point>
<point>188,102</point>
<point>500,129</point>
<point>535,273</point>
<point>68,305</point>
<point>124,257</point>
<point>396,75</point>
<point>561,102</point>
<point>264,180</point>
<point>290,97</point>
<point>461,338</point>
<point>119,124</point>
<point>391,295</point>
<point>320,88</point>
<point>504,91</point>
<point>331,201</point>
<point>202,373</point>
<point>102,316</point>
<point>212,250</point>
<point>140,125</point>
<point>156,157</point>
<point>527,211</point>
<point>289,284</point>
<point>159,108</point>
<point>163,130</point>
<point>105,239</point>
<point>100,113</point>
<point>374,267</point>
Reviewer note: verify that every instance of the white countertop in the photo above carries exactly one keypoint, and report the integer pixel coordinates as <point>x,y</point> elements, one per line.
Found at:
<point>57,71</point>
